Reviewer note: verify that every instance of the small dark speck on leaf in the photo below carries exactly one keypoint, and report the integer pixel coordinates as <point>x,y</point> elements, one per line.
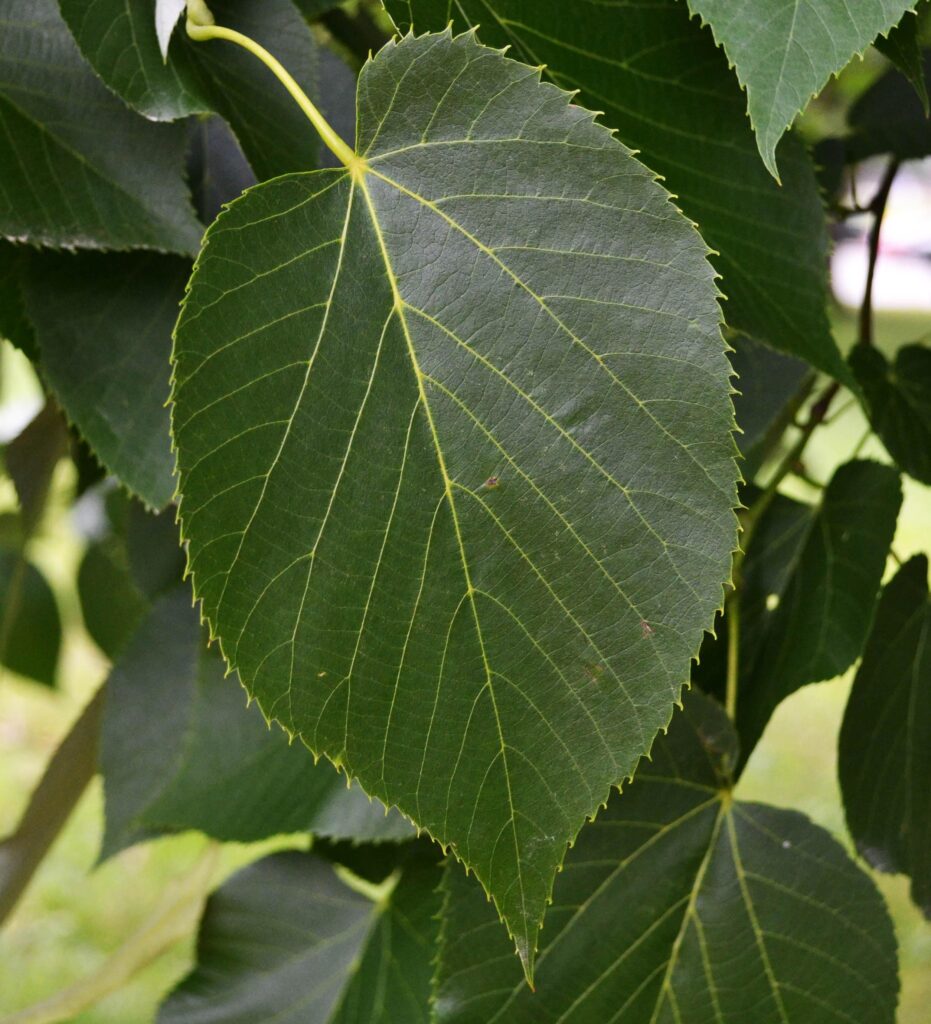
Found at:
<point>646,629</point>
<point>491,483</point>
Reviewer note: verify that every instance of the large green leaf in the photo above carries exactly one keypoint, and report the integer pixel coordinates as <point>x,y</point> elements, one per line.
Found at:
<point>454,446</point>
<point>667,89</point>
<point>76,167</point>
<point>898,400</point>
<point>809,586</point>
<point>103,323</point>
<point>288,940</point>
<point>120,42</point>
<point>177,743</point>
<point>785,52</point>
<point>30,623</point>
<point>682,905</point>
<point>884,758</point>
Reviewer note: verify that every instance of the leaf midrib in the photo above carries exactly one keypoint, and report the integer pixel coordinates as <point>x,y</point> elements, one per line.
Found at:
<point>525,954</point>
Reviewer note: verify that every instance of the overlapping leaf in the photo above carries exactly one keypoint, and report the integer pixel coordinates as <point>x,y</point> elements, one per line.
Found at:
<point>103,325</point>
<point>809,586</point>
<point>287,940</point>
<point>454,450</point>
<point>76,167</point>
<point>30,623</point>
<point>903,47</point>
<point>14,324</point>
<point>889,118</point>
<point>180,751</point>
<point>884,758</point>
<point>682,905</point>
<point>120,41</point>
<point>898,400</point>
<point>667,89</point>
<point>770,387</point>
<point>785,52</point>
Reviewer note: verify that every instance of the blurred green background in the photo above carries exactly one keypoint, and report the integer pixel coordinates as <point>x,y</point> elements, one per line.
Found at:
<point>74,914</point>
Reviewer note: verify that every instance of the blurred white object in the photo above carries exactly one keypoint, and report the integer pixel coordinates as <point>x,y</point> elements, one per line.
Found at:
<point>903,270</point>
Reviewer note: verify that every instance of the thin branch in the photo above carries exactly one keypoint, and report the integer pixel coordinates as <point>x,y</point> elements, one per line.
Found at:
<point>175,917</point>
<point>69,771</point>
<point>878,209</point>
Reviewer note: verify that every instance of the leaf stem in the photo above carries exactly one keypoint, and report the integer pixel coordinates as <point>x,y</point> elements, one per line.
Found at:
<point>174,918</point>
<point>749,521</point>
<point>201,28</point>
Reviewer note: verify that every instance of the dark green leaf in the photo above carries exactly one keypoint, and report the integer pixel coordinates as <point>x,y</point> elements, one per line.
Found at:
<point>76,167</point>
<point>681,904</point>
<point>888,118</point>
<point>454,444</point>
<point>903,47</point>
<point>153,550</point>
<point>177,741</point>
<point>769,388</point>
<point>898,400</point>
<point>667,89</point>
<point>785,53</point>
<point>812,582</point>
<point>885,741</point>
<point>217,170</point>
<point>111,604</point>
<point>287,940</point>
<point>30,625</point>
<point>31,459</point>
<point>312,9</point>
<point>14,324</point>
<point>119,40</point>
<point>103,323</point>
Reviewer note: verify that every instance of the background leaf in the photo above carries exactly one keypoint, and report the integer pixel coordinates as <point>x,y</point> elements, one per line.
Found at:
<point>177,741</point>
<point>889,118</point>
<point>884,757</point>
<point>30,624</point>
<point>668,91</point>
<point>431,470</point>
<point>103,324</point>
<point>898,401</point>
<point>70,178</point>
<point>903,47</point>
<point>680,903</point>
<point>318,951</point>
<point>14,324</point>
<point>785,53</point>
<point>809,585</point>
<point>120,41</point>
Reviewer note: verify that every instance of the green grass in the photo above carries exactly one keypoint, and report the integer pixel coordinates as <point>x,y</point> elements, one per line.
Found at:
<point>75,913</point>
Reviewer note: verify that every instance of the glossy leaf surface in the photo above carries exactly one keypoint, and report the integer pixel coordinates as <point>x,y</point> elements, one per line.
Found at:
<point>885,742</point>
<point>179,750</point>
<point>120,42</point>
<point>682,905</point>
<point>785,52</point>
<point>103,324</point>
<point>318,951</point>
<point>667,89</point>
<point>454,451</point>
<point>69,177</point>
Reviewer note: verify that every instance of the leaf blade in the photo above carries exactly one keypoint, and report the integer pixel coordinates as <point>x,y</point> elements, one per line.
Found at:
<point>458,587</point>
